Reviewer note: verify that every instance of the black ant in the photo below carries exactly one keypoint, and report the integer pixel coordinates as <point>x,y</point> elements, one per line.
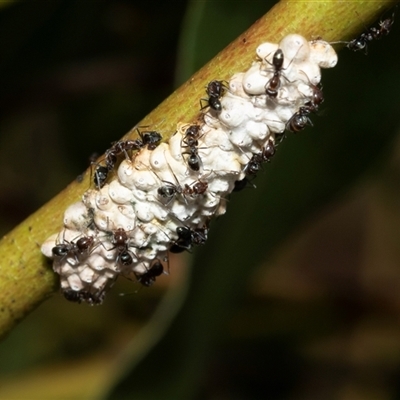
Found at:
<point>81,246</point>
<point>63,249</point>
<point>73,295</point>
<point>191,136</point>
<point>215,90</point>
<point>272,86</point>
<point>149,277</point>
<point>193,159</point>
<point>169,190</point>
<point>111,155</point>
<point>254,165</point>
<point>268,151</point>
<point>300,119</point>
<point>100,176</point>
<point>187,237</point>
<point>191,141</point>
<point>196,188</point>
<point>84,244</point>
<point>82,295</point>
<point>151,139</point>
<point>316,99</point>
<point>373,33</point>
<point>120,240</point>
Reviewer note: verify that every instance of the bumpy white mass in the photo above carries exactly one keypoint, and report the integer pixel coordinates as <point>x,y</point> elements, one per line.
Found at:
<point>163,196</point>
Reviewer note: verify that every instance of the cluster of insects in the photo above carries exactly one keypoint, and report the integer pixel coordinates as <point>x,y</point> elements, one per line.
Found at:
<point>164,194</point>
<point>80,248</point>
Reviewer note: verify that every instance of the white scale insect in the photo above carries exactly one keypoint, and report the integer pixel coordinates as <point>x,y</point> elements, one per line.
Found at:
<point>243,117</point>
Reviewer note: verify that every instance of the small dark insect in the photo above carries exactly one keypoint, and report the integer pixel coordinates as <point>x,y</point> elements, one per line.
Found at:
<point>299,120</point>
<point>122,146</point>
<point>100,176</point>
<point>151,139</point>
<point>62,250</point>
<point>317,97</point>
<point>73,295</point>
<point>268,151</point>
<point>120,241</point>
<point>190,140</point>
<point>149,277</point>
<point>187,237</point>
<point>191,136</point>
<point>83,295</point>
<point>372,33</point>
<point>215,90</point>
<point>184,241</point>
<point>196,188</point>
<point>194,159</point>
<point>111,155</point>
<point>72,248</point>
<point>125,257</point>
<point>169,190</point>
<point>84,244</point>
<point>272,86</point>
<point>254,165</point>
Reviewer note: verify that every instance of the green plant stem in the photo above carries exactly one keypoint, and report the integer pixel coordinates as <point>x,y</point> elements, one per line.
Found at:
<point>26,277</point>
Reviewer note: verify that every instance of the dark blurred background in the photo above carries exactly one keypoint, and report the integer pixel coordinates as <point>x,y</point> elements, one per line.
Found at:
<point>296,294</point>
<point>75,76</point>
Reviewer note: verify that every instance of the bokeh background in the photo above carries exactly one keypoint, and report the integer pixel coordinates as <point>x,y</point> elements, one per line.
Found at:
<point>295,295</point>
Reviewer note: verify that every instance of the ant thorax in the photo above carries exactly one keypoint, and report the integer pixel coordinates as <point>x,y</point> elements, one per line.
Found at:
<point>151,198</point>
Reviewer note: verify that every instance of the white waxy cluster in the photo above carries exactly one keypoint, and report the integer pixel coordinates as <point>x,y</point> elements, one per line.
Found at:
<point>164,195</point>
